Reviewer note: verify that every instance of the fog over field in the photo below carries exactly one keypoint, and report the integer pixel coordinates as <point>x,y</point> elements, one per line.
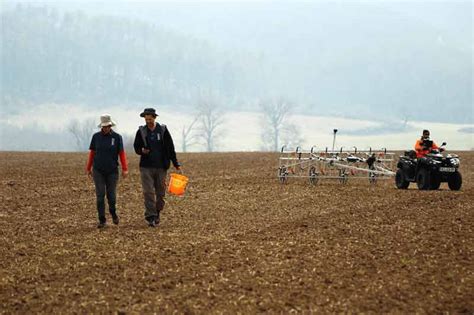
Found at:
<point>379,71</point>
<point>241,130</point>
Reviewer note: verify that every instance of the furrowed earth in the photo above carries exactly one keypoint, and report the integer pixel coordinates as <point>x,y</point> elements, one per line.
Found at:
<point>238,242</point>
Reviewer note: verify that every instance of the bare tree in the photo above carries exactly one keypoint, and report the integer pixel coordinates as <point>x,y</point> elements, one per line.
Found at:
<point>188,137</point>
<point>211,118</point>
<point>291,135</point>
<point>274,113</point>
<point>82,132</point>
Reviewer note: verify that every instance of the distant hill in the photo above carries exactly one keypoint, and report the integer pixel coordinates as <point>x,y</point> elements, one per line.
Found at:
<point>72,57</point>
<point>409,61</point>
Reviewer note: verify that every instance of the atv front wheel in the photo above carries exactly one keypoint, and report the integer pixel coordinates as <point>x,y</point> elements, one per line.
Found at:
<point>435,182</point>
<point>400,181</point>
<point>455,181</point>
<point>423,179</point>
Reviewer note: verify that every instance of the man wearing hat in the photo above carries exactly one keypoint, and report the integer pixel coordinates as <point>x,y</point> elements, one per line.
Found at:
<point>105,149</point>
<point>155,146</point>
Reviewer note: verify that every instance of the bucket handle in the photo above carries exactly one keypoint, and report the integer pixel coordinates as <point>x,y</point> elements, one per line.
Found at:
<point>180,171</point>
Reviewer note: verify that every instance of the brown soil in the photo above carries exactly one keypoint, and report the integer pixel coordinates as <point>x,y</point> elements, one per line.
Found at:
<point>238,242</point>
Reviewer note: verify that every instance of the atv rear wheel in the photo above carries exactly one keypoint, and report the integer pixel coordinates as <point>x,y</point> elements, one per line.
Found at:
<point>400,181</point>
<point>455,181</point>
<point>423,179</point>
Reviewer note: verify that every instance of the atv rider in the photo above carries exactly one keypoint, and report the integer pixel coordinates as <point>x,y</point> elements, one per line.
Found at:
<point>424,145</point>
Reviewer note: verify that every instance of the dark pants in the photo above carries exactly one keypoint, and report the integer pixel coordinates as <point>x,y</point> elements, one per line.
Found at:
<point>154,188</point>
<point>105,184</point>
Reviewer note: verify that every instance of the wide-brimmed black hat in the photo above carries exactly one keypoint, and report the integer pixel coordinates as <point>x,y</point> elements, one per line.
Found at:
<point>149,111</point>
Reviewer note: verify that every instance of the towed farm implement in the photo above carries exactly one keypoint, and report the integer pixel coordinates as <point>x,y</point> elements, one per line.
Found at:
<point>341,164</point>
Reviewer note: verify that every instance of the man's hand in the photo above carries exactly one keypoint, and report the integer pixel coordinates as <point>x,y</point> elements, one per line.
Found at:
<point>145,151</point>
<point>124,174</point>
<point>89,174</point>
<point>178,168</point>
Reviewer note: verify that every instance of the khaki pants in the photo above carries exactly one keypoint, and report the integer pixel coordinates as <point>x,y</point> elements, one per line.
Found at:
<point>154,188</point>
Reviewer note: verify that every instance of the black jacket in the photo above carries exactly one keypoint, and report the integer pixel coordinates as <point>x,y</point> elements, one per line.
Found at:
<point>169,154</point>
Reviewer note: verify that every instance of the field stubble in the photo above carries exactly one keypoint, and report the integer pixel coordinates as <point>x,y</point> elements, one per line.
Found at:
<point>237,242</point>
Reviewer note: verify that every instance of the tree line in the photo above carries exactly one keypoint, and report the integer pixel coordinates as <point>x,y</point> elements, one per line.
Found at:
<point>71,57</point>
<point>207,127</point>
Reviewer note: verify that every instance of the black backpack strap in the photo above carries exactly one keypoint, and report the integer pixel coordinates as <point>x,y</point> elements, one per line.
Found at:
<point>143,134</point>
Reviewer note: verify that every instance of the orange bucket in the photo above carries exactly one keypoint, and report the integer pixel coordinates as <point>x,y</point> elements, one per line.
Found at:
<point>177,185</point>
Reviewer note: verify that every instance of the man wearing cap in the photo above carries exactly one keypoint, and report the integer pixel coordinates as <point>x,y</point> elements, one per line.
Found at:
<point>155,146</point>
<point>105,149</point>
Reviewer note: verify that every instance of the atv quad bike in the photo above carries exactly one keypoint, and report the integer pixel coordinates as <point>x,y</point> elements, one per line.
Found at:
<point>428,172</point>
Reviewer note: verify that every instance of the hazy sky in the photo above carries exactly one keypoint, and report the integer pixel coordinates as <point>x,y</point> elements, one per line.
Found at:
<point>295,35</point>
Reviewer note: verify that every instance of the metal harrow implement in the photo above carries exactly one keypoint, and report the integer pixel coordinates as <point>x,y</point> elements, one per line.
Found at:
<point>339,164</point>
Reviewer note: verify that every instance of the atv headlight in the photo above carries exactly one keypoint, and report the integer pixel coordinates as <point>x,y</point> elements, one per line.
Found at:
<point>455,162</point>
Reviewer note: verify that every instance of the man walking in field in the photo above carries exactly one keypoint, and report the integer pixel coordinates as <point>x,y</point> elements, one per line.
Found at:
<point>155,146</point>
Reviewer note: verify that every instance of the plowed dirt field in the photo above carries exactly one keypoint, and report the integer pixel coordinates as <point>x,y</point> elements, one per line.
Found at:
<point>238,242</point>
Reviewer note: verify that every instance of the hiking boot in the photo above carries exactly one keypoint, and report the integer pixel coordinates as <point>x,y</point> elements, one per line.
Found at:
<point>151,223</point>
<point>101,225</point>
<point>115,219</point>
